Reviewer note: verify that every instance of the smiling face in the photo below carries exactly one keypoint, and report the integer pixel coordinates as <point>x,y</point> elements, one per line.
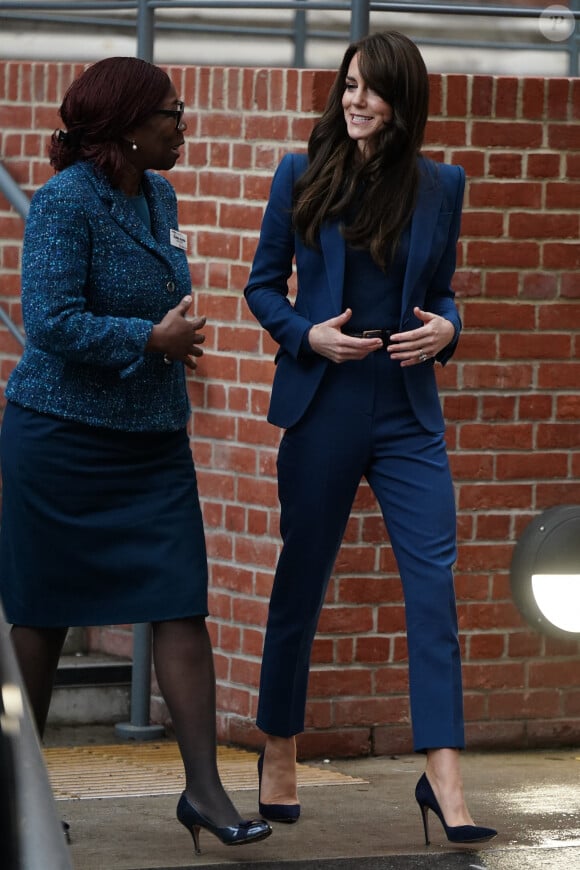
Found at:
<point>365,112</point>
<point>159,138</point>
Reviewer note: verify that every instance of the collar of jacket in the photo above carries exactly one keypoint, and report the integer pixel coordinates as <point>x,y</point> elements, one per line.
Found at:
<point>121,211</point>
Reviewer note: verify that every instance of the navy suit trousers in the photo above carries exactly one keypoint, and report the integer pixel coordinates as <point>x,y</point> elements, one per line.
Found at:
<point>360,424</point>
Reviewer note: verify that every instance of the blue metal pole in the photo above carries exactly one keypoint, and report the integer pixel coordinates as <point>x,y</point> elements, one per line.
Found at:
<point>300,39</point>
<point>15,196</point>
<point>574,42</point>
<point>139,728</point>
<point>36,833</point>
<point>359,19</point>
<point>145,28</point>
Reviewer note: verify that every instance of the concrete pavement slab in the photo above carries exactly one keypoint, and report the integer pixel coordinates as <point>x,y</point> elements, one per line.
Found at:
<point>532,798</point>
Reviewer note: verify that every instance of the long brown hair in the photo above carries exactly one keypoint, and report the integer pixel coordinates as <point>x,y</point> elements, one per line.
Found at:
<point>381,190</point>
<point>101,106</point>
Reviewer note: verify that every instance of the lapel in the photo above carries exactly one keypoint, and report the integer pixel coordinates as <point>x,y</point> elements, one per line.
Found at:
<point>334,252</point>
<point>123,214</point>
<point>423,223</point>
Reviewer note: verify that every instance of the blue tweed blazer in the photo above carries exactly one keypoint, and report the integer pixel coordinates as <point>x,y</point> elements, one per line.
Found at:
<point>94,281</point>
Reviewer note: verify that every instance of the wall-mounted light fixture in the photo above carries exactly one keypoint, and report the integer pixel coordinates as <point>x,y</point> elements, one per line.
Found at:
<point>545,572</point>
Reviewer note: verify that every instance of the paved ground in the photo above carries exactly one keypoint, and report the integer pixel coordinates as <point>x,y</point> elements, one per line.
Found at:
<point>532,798</point>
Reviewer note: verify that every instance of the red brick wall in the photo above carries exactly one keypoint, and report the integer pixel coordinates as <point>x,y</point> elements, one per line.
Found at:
<point>510,396</point>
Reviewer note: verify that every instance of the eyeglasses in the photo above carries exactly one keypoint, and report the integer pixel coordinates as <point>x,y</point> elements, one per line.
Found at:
<point>173,113</point>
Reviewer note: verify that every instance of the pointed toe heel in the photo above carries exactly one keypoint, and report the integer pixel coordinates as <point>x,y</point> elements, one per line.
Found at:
<point>426,799</point>
<point>247,831</point>
<point>285,813</point>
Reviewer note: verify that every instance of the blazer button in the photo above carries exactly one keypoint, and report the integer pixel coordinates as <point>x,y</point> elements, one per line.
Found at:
<point>170,286</point>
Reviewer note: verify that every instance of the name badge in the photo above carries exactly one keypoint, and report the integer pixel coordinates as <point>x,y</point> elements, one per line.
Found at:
<point>178,240</point>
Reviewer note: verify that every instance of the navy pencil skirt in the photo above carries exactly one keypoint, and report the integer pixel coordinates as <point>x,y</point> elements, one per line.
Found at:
<point>98,526</point>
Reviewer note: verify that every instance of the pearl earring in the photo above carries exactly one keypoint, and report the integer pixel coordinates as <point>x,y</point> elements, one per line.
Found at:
<point>133,145</point>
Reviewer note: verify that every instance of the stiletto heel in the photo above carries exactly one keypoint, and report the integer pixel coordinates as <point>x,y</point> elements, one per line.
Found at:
<point>426,799</point>
<point>194,831</point>
<point>425,815</point>
<point>288,813</point>
<point>248,831</point>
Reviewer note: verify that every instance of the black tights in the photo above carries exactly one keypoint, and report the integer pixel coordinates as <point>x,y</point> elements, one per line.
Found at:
<point>38,651</point>
<point>183,660</point>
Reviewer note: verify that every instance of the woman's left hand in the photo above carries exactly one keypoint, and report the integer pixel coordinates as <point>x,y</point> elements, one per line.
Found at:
<point>418,345</point>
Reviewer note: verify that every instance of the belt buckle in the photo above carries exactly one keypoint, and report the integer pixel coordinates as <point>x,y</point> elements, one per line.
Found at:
<point>383,334</point>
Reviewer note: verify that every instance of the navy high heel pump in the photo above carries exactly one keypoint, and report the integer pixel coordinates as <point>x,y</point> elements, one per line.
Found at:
<point>249,831</point>
<point>456,834</point>
<point>288,813</point>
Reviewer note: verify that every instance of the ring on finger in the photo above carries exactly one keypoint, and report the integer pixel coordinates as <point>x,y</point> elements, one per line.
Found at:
<point>423,356</point>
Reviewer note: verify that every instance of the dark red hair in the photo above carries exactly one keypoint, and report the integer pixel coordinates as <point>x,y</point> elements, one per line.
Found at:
<point>112,97</point>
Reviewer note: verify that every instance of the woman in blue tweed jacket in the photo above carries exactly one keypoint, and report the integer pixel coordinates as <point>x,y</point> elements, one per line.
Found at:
<point>101,520</point>
<point>95,280</point>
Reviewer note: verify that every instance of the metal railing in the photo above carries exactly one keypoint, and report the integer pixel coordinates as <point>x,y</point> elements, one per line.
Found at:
<point>140,16</point>
<point>20,203</point>
<point>31,833</point>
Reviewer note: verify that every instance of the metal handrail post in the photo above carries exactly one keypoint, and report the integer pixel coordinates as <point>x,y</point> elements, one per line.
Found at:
<point>11,326</point>
<point>20,203</point>
<point>359,19</point>
<point>15,196</point>
<point>41,842</point>
<point>145,30</point>
<point>574,42</point>
<point>300,38</point>
<point>139,728</point>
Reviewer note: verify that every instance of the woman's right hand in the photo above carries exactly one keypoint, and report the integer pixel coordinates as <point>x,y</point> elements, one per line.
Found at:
<point>328,340</point>
<point>176,337</point>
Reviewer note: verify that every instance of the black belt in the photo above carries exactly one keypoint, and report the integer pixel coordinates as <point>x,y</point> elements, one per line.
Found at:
<point>383,334</point>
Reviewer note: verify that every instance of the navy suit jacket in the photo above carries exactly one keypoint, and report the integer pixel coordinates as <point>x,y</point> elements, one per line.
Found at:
<point>427,283</point>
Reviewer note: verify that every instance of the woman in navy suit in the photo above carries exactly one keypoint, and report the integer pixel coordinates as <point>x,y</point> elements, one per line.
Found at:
<point>373,227</point>
<point>101,518</point>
